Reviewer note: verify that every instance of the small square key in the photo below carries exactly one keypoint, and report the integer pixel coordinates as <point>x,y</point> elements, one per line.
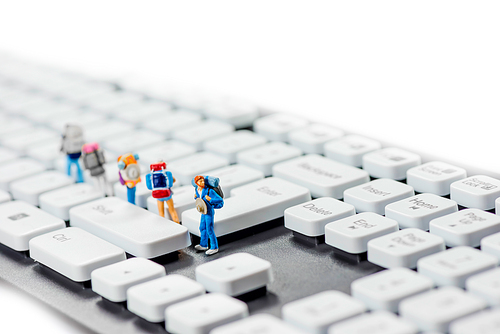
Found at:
<point>61,250</point>
<point>375,195</point>
<point>229,145</point>
<point>455,265</point>
<point>491,245</point>
<point>378,322</point>
<point>235,274</point>
<point>310,218</point>
<point>149,300</point>
<point>403,248</point>
<point>20,222</point>
<point>352,234</point>
<point>314,314</point>
<point>386,289</point>
<point>201,314</point>
<point>466,227</point>
<point>112,281</point>
<point>312,138</point>
<point>434,177</point>
<point>350,149</point>
<point>391,163</point>
<point>436,309</point>
<point>479,191</point>
<point>29,189</point>
<point>322,176</point>
<point>484,322</point>
<point>486,285</point>
<point>276,127</point>
<point>264,157</point>
<point>417,211</point>
<point>256,324</point>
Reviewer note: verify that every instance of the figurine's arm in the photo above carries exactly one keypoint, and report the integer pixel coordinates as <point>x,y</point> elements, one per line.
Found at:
<point>213,198</point>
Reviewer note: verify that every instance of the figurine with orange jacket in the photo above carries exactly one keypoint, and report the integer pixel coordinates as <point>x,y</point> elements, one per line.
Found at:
<point>130,173</point>
<point>160,181</point>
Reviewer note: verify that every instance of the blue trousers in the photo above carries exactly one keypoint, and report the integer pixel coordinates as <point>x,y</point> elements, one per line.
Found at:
<point>131,194</point>
<point>79,175</point>
<point>207,231</point>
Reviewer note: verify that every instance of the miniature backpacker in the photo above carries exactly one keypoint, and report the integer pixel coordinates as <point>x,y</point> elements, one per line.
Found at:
<point>94,160</point>
<point>160,180</point>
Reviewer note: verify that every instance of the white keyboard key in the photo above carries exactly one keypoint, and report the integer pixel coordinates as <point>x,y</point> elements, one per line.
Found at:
<point>434,177</point>
<point>455,265</point>
<point>234,176</point>
<point>403,248</point>
<point>7,155</point>
<point>352,234</point>
<point>4,196</point>
<point>491,245</point>
<point>466,227</point>
<point>257,324</point>
<point>61,250</point>
<point>18,169</point>
<point>105,130</point>
<point>238,113</point>
<point>485,322</point>
<point>23,141</point>
<point>20,222</point>
<point>386,289</point>
<point>167,124</point>
<point>417,211</point>
<point>350,149</point>
<point>133,141</point>
<point>312,138</point>
<point>201,314</point>
<point>44,112</point>
<point>378,322</point>
<point>113,100</point>
<point>479,191</point>
<point>142,111</point>
<point>310,218</point>
<point>149,300</point>
<point>47,153</point>
<point>250,205</point>
<point>200,132</point>
<point>322,176</point>
<point>137,231</point>
<point>276,127</point>
<point>58,202</point>
<point>264,157</point>
<point>167,151</point>
<point>84,120</point>
<point>185,169</point>
<point>235,274</point>
<point>486,285</point>
<point>85,90</point>
<point>113,281</point>
<point>13,125</point>
<point>29,189</point>
<point>182,197</point>
<point>391,163</point>
<point>375,195</point>
<point>142,193</point>
<point>228,146</point>
<point>314,314</point>
<point>436,309</point>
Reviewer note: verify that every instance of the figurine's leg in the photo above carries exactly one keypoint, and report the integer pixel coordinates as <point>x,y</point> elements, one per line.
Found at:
<point>69,162</point>
<point>172,211</point>
<point>161,208</point>
<point>106,186</point>
<point>131,195</point>
<point>79,174</point>
<point>203,232</point>
<point>211,233</point>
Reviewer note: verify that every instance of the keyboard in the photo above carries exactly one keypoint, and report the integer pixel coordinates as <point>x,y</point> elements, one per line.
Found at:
<point>322,231</point>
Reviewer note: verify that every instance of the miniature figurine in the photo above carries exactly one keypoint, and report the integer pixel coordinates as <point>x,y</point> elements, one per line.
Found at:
<point>130,173</point>
<point>160,181</point>
<point>72,141</point>
<point>208,196</point>
<point>93,160</point>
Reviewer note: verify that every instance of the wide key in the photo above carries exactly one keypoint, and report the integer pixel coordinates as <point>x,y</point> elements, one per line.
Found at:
<point>61,250</point>
<point>312,138</point>
<point>391,163</point>
<point>230,145</point>
<point>264,157</point>
<point>250,205</point>
<point>276,127</point>
<point>350,149</point>
<point>138,231</point>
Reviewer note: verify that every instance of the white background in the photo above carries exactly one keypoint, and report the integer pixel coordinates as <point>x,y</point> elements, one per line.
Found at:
<point>424,75</point>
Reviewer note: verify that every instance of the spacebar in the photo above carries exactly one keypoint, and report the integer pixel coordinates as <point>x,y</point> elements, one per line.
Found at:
<point>135,230</point>
<point>250,205</point>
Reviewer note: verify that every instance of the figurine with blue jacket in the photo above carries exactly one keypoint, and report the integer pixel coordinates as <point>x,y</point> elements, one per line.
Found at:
<point>130,174</point>
<point>208,196</point>
<point>160,180</point>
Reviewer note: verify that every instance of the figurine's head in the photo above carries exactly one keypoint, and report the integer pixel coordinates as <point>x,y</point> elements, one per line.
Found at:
<point>73,131</point>
<point>90,147</point>
<point>200,181</point>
